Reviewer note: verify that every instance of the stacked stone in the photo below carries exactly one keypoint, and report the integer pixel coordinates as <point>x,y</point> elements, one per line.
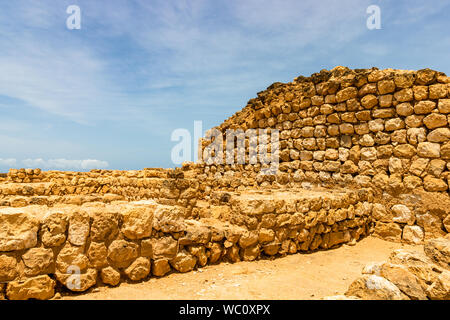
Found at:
<point>383,129</point>
<point>384,132</point>
<point>291,221</point>
<point>387,128</point>
<point>135,240</point>
<point>407,275</point>
<point>24,175</point>
<point>168,187</point>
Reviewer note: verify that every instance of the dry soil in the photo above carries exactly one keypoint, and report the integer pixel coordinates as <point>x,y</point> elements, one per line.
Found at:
<point>299,276</point>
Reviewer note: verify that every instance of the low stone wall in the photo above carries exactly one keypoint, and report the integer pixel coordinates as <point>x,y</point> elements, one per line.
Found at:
<point>73,248</point>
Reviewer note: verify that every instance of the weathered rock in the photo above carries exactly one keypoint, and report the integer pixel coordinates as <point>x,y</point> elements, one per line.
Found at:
<point>440,289</point>
<point>232,254</point>
<point>435,120</point>
<point>195,234</point>
<point>346,94</point>
<point>433,184</point>
<point>404,95</point>
<point>444,106</point>
<point>97,254</point>
<point>139,269</point>
<point>165,247</point>
<point>104,226</point>
<point>2,291</point>
<point>160,267</point>
<point>372,287</point>
<point>138,221</point>
<point>402,214</point>
<point>438,91</point>
<point>429,150</point>
<point>417,263</point>
<point>53,229</point>
<point>386,86</point>
<point>77,282</point>
<point>404,80</point>
<point>424,107</point>
<point>341,297</point>
<point>431,224</point>
<point>40,287</point>
<point>404,109</point>
<point>266,235</point>
<point>71,258</point>
<point>446,223</point>
<point>380,213</point>
<point>388,231</point>
<point>168,219</point>
<point>216,252</point>
<point>272,248</point>
<point>373,268</point>
<point>79,227</point>
<point>337,238</point>
<point>8,268</point>
<point>413,234</point>
<point>110,276</point>
<point>250,253</point>
<point>248,239</point>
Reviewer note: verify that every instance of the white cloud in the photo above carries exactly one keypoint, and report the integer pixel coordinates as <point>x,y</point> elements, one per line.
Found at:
<point>8,162</point>
<point>65,164</point>
<point>68,75</point>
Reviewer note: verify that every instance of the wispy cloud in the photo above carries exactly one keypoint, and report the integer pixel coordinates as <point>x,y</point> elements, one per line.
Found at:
<point>8,162</point>
<point>65,164</point>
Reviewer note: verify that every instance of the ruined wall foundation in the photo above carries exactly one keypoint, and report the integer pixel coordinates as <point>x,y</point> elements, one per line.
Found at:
<point>361,152</point>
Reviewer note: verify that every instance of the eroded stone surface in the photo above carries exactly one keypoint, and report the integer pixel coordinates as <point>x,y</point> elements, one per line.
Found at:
<point>40,287</point>
<point>361,152</point>
<point>18,230</point>
<point>409,274</point>
<point>138,221</point>
<point>372,287</point>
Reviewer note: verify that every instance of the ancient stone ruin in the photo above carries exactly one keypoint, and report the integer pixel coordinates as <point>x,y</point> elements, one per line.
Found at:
<point>361,152</point>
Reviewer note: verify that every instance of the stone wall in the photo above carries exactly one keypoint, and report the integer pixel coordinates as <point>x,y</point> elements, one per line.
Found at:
<point>63,248</point>
<point>387,130</point>
<point>361,152</point>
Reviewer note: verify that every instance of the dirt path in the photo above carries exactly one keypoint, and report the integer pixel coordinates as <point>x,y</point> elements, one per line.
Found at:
<point>299,276</point>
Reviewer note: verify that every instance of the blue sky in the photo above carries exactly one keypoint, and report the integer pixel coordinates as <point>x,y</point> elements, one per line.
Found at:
<point>114,91</point>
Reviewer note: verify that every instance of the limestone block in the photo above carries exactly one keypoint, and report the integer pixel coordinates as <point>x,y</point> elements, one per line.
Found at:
<point>110,276</point>
<point>372,287</point>
<point>413,234</point>
<point>138,221</point>
<point>40,287</point>
<point>38,261</point>
<point>18,230</point>
<point>139,269</point>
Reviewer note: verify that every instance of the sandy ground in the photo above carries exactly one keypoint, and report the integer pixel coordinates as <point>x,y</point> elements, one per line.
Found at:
<point>299,276</point>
